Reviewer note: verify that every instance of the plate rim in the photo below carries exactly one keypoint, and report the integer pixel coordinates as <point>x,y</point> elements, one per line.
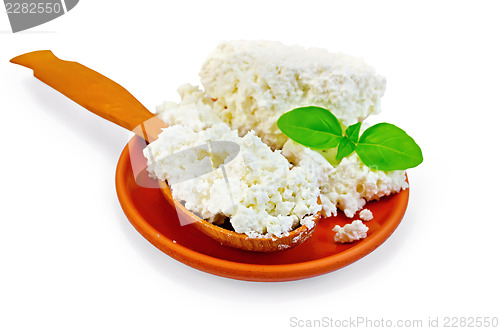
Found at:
<point>251,271</point>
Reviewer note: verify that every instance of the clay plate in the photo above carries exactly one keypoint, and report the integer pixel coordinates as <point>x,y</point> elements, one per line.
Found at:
<point>151,214</point>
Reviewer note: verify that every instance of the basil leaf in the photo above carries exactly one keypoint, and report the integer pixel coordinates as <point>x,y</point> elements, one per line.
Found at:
<point>352,132</point>
<point>386,147</point>
<point>346,147</point>
<point>313,127</point>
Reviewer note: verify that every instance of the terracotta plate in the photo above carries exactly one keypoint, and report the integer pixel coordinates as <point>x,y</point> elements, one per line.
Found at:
<point>157,221</point>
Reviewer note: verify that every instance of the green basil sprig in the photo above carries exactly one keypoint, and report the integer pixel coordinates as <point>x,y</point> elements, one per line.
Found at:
<point>382,146</point>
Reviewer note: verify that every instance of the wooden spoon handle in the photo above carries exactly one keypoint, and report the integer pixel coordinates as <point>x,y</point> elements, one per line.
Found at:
<point>93,91</point>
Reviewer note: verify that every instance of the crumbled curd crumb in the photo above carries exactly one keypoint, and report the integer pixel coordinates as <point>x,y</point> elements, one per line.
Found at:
<point>350,232</point>
<point>366,215</point>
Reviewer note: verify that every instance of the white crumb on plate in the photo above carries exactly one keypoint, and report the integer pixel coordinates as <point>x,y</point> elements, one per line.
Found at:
<point>366,215</point>
<point>350,232</point>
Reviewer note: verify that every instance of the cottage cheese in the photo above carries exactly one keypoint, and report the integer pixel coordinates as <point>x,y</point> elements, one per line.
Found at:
<point>366,215</point>
<point>260,193</point>
<point>255,82</point>
<point>248,86</point>
<point>195,109</point>
<point>348,185</point>
<point>350,232</point>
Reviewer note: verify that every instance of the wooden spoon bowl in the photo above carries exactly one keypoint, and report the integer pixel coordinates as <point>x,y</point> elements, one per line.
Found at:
<point>240,240</point>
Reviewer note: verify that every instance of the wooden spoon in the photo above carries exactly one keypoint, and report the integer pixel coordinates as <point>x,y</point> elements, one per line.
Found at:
<point>111,101</point>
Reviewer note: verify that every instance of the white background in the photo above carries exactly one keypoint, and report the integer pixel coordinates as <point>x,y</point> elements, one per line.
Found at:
<point>69,258</point>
